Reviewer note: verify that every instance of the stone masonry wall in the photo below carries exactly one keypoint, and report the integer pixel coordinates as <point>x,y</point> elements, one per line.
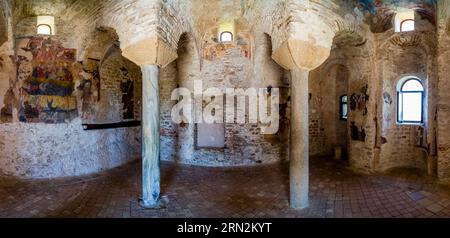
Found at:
<point>64,150</point>
<point>103,83</point>
<point>223,66</point>
<point>398,142</point>
<point>38,150</point>
<point>120,90</point>
<point>444,91</point>
<point>376,141</point>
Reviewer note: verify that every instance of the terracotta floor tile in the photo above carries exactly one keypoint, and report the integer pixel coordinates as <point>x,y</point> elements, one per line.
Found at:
<point>229,192</point>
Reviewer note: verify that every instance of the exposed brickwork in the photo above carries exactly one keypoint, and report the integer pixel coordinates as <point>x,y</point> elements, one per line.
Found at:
<point>169,130</point>
<point>116,71</point>
<point>374,56</point>
<point>61,147</point>
<point>376,67</point>
<point>398,145</point>
<point>443,107</point>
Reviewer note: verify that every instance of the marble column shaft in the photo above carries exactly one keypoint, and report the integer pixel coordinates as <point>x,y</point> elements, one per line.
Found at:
<point>150,136</point>
<point>299,142</point>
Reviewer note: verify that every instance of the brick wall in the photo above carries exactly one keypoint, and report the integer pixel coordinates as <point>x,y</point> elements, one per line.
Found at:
<point>398,146</point>
<point>444,92</point>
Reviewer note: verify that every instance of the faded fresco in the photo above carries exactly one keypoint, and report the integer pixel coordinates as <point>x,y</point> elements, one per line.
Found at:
<point>381,12</point>
<point>46,79</point>
<point>89,89</point>
<point>109,87</point>
<point>215,50</point>
<point>358,105</point>
<point>127,90</point>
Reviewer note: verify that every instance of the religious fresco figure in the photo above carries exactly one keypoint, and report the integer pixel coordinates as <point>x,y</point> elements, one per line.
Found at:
<point>50,79</point>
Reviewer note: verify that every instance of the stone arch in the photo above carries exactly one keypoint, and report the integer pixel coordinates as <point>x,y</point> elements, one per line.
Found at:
<point>447,27</point>
<point>3,26</point>
<point>106,74</point>
<point>266,41</point>
<point>329,64</point>
<point>7,69</point>
<point>120,88</point>
<point>345,38</point>
<point>426,43</point>
<point>188,44</point>
<point>353,49</point>
<point>349,30</point>
<point>394,57</point>
<point>187,66</point>
<point>103,40</point>
<point>151,47</point>
<point>332,85</point>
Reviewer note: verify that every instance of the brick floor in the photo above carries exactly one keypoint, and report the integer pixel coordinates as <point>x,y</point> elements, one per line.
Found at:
<point>232,192</point>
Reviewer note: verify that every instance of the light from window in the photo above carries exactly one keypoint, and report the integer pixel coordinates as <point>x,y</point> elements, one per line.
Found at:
<point>226,37</point>
<point>405,20</point>
<point>46,25</point>
<point>343,115</point>
<point>410,101</point>
<point>407,25</point>
<point>44,30</point>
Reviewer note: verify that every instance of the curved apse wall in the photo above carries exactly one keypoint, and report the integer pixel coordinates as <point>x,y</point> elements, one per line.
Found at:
<point>64,150</point>
<point>44,107</point>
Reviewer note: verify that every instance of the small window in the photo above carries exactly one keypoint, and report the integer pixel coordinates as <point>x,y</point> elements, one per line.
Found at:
<point>410,101</point>
<point>44,29</point>
<point>226,37</point>
<point>407,25</point>
<point>343,114</point>
<point>46,25</point>
<point>405,20</point>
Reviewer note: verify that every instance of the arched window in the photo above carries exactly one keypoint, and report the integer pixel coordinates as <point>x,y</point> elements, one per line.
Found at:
<point>404,20</point>
<point>226,37</point>
<point>44,29</point>
<point>407,25</point>
<point>343,114</point>
<point>410,101</point>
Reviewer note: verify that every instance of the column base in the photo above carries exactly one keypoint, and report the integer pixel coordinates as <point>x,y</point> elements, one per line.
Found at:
<point>300,206</point>
<point>162,203</point>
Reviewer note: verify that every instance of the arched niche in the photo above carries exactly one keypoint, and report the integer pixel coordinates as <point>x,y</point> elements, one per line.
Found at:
<point>3,27</point>
<point>330,129</point>
<point>448,28</point>
<point>348,68</point>
<point>110,91</point>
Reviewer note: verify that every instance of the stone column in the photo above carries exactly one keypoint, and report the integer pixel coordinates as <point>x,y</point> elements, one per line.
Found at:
<point>299,142</point>
<point>150,137</point>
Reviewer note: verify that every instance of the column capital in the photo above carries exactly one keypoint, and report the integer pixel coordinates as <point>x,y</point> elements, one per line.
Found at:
<point>150,51</point>
<point>299,54</point>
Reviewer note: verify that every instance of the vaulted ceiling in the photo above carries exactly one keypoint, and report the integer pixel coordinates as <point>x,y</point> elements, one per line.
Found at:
<point>28,8</point>
<point>380,12</point>
<point>3,25</point>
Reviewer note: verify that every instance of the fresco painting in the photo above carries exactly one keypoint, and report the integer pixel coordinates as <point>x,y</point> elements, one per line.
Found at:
<point>357,134</point>
<point>127,89</point>
<point>47,81</point>
<point>381,12</point>
<point>358,101</point>
<point>376,6</point>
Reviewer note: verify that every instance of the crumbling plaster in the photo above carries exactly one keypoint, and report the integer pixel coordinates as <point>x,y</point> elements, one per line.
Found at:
<point>378,63</point>
<point>443,107</point>
<point>149,32</point>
